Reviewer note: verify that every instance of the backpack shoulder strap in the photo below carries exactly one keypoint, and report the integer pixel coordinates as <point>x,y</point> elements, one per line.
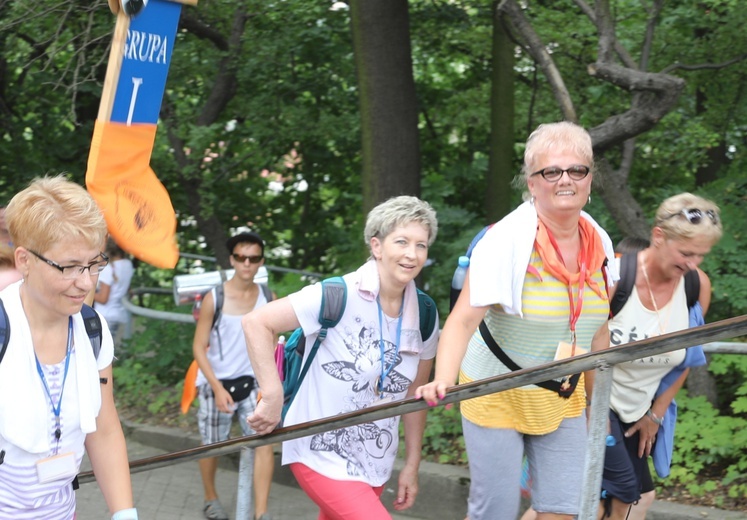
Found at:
<point>628,267</point>
<point>218,297</point>
<point>92,321</point>
<point>266,291</point>
<point>4,330</point>
<point>692,287</point>
<point>427,311</point>
<point>334,298</point>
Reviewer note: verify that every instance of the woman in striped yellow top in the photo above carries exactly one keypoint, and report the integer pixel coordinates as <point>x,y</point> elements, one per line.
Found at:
<point>535,292</point>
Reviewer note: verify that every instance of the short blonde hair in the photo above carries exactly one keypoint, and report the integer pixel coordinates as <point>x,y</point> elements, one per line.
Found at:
<point>561,136</point>
<point>672,218</point>
<point>400,211</point>
<point>52,210</point>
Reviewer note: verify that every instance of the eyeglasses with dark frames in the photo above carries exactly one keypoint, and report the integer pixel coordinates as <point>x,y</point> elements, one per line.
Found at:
<point>695,215</point>
<point>554,173</point>
<point>71,272</point>
<point>253,259</point>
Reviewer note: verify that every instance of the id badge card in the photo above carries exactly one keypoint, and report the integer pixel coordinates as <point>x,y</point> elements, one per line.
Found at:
<point>57,467</point>
<point>565,350</point>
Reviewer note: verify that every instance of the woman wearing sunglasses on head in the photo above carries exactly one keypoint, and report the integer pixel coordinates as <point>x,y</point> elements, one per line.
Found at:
<point>55,390</point>
<point>535,291</point>
<point>670,294</point>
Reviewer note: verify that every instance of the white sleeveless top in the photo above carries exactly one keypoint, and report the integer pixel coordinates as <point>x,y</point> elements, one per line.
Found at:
<point>634,383</point>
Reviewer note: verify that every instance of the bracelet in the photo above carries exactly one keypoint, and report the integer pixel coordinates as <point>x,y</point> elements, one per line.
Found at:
<point>125,514</point>
<point>651,415</point>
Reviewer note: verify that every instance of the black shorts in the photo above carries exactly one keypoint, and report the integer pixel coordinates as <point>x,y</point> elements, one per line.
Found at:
<point>626,476</point>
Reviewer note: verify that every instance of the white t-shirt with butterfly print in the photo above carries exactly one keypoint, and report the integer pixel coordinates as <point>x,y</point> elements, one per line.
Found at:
<point>343,378</point>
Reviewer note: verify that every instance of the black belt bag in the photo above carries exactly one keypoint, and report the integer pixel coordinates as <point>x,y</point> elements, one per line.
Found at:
<point>240,388</point>
<point>551,385</point>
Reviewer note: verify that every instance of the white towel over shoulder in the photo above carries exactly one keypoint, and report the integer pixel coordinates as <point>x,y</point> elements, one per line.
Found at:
<point>24,410</point>
<point>499,261</point>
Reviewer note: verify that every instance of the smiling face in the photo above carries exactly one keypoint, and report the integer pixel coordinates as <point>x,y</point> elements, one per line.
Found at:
<point>676,257</point>
<point>401,254</point>
<point>45,286</point>
<point>564,195</point>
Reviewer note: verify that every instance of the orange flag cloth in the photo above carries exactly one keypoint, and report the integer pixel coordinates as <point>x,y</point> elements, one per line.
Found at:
<point>136,205</point>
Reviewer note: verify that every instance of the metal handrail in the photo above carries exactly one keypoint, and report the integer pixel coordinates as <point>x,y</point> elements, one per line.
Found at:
<point>717,331</point>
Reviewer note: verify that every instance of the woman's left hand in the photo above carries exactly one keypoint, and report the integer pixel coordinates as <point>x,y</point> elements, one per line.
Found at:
<point>408,488</point>
<point>647,430</point>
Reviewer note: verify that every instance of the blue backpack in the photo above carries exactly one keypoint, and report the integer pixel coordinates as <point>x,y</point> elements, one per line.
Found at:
<point>334,297</point>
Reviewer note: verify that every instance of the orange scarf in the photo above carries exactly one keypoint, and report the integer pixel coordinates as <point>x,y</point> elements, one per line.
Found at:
<point>592,253</point>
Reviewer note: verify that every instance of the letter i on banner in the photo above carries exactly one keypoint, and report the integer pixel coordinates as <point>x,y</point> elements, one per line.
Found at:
<point>136,205</point>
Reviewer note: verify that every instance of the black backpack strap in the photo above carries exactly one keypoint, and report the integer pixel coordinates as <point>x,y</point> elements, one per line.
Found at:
<point>692,287</point>
<point>4,330</point>
<point>218,297</point>
<point>553,386</point>
<point>266,291</point>
<point>427,311</point>
<point>92,321</point>
<point>624,287</point>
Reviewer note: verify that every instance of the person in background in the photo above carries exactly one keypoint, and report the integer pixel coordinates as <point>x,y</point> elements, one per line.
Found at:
<point>56,398</point>
<point>375,354</point>
<point>686,227</point>
<point>114,282</point>
<point>225,381</point>
<point>8,271</point>
<point>535,292</point>
<point>4,234</point>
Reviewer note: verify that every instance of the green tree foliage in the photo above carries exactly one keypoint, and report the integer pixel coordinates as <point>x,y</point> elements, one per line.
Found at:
<point>260,123</point>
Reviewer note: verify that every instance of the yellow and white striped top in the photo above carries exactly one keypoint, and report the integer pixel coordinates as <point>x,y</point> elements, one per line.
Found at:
<point>531,341</point>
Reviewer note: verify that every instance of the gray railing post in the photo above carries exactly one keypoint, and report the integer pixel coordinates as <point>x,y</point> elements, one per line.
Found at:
<point>244,493</point>
<point>596,446</point>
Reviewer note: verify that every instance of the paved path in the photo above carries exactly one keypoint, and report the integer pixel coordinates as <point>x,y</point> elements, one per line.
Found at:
<point>175,493</point>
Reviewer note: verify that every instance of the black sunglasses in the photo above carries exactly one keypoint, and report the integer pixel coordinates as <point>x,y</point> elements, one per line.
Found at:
<point>554,173</point>
<point>253,259</point>
<point>695,215</point>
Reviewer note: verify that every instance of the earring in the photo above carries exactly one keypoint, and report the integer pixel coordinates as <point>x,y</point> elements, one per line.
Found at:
<point>589,201</point>
<point>531,200</point>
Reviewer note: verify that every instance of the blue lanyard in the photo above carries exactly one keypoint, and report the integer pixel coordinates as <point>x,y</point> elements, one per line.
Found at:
<point>385,371</point>
<point>57,409</point>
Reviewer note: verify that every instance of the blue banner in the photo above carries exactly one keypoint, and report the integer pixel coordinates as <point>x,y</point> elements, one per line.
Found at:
<point>145,66</point>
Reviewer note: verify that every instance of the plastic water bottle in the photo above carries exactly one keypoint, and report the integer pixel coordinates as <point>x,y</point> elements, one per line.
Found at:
<point>457,281</point>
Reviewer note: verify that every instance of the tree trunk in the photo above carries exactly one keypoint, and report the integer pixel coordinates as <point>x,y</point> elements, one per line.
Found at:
<point>389,114</point>
<point>500,165</point>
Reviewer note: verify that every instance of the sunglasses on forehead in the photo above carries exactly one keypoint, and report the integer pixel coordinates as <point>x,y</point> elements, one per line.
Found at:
<point>695,215</point>
<point>253,259</point>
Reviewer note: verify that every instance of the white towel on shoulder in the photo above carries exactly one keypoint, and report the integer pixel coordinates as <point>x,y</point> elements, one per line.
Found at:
<point>24,407</point>
<point>499,261</point>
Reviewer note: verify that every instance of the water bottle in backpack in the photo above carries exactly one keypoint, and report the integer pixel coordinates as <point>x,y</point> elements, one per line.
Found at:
<point>457,281</point>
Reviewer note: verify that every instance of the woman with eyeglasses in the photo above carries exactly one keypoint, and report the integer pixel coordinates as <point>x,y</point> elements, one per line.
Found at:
<point>535,292</point>
<point>56,396</point>
<point>642,407</point>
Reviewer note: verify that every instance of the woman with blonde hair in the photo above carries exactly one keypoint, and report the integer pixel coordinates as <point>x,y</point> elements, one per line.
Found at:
<point>535,291</point>
<point>56,396</point>
<point>642,407</point>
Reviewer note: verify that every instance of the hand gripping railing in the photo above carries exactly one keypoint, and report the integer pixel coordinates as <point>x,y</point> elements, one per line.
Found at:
<point>600,361</point>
